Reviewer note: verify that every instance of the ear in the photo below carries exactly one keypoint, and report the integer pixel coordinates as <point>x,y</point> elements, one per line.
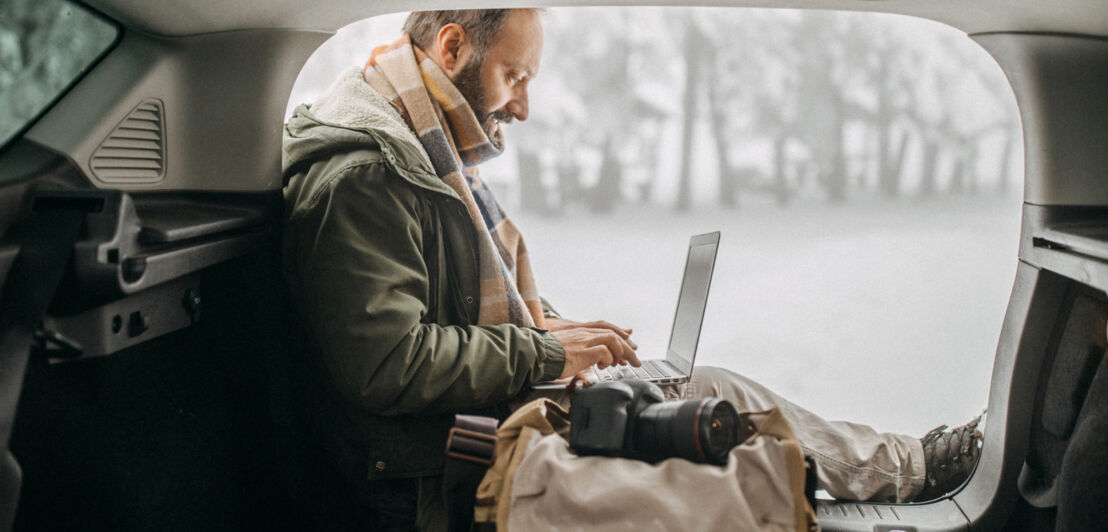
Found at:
<point>451,43</point>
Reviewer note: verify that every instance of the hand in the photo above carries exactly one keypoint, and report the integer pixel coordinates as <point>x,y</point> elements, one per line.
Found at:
<point>561,324</point>
<point>585,346</point>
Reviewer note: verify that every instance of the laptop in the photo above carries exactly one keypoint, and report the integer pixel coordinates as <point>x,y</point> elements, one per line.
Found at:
<point>677,366</point>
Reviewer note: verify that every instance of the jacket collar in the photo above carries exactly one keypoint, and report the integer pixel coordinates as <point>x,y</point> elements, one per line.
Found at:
<point>351,106</point>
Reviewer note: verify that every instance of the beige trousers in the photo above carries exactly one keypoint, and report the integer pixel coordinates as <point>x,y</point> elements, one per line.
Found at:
<point>855,461</point>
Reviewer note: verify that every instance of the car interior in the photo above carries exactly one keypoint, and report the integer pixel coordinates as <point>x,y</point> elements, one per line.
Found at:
<point>144,368</point>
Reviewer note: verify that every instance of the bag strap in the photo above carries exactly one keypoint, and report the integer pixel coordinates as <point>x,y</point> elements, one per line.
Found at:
<point>470,450</point>
<point>45,234</point>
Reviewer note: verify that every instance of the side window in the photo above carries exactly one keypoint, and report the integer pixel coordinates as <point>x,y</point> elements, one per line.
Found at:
<point>45,45</point>
<point>864,170</point>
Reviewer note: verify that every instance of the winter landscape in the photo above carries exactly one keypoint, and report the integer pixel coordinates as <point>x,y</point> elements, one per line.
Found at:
<point>864,170</point>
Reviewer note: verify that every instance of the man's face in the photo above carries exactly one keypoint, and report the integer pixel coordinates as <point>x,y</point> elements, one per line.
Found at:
<point>496,89</point>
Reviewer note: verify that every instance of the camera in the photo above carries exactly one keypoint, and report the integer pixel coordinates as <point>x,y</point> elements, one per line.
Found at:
<point>630,418</point>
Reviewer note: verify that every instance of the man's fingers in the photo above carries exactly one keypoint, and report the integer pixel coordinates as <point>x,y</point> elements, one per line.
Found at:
<point>603,324</point>
<point>585,346</point>
<point>599,355</point>
<point>622,351</point>
<point>633,359</point>
<point>628,354</point>
<point>556,324</point>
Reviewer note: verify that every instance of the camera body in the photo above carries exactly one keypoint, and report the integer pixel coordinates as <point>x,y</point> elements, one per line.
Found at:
<point>630,418</point>
<point>601,416</point>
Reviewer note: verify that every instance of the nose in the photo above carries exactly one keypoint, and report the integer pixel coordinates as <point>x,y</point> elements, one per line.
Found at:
<point>518,106</point>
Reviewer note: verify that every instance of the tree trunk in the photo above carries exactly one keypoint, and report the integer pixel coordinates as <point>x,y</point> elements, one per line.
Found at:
<point>728,181</point>
<point>898,163</point>
<point>607,191</point>
<point>887,178</point>
<point>692,78</point>
<point>532,194</point>
<point>969,166</point>
<point>958,174</point>
<point>569,182</point>
<point>888,174</point>
<point>835,176</point>
<point>781,187</point>
<point>1005,176</point>
<point>929,165</point>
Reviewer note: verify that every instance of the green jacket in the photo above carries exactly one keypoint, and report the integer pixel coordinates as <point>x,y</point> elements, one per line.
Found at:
<point>380,258</point>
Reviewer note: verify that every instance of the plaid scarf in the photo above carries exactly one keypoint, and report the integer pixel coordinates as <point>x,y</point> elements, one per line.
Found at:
<point>450,133</point>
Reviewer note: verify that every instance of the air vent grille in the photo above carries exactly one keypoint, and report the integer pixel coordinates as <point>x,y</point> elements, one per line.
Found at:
<point>135,150</point>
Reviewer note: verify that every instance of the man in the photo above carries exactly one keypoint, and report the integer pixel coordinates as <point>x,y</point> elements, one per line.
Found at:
<point>418,295</point>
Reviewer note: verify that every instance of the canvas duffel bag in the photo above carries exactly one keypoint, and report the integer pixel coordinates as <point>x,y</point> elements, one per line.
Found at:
<point>536,483</point>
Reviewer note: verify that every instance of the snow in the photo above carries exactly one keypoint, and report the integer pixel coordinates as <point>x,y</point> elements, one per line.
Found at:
<point>886,313</point>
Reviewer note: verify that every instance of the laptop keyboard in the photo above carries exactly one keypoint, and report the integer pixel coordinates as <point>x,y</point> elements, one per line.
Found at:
<point>649,369</point>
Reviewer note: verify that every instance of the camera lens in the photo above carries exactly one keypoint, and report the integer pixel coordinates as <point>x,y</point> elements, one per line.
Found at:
<point>719,430</point>
<point>699,430</point>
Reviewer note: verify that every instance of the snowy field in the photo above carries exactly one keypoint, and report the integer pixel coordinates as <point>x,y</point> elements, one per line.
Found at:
<point>882,313</point>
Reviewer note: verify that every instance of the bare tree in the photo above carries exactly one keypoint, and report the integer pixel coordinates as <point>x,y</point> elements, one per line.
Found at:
<point>692,48</point>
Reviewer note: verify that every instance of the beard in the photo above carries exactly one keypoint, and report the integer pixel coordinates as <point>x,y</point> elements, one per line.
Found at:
<point>469,84</point>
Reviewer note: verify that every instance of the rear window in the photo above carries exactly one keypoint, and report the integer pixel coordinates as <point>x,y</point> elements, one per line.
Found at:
<point>865,171</point>
<point>45,45</point>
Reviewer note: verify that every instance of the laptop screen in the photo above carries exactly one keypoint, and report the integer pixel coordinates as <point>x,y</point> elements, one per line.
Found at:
<point>692,300</point>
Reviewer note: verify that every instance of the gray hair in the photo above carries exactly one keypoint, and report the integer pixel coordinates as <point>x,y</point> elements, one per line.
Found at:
<point>480,26</point>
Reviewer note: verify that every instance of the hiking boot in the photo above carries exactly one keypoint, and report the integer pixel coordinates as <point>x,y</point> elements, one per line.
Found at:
<point>950,456</point>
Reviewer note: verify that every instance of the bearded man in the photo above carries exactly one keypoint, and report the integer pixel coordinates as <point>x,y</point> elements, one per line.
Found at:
<point>420,302</point>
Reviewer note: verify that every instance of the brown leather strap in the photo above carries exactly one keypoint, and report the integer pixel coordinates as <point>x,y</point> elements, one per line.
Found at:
<point>470,449</point>
<point>473,438</point>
